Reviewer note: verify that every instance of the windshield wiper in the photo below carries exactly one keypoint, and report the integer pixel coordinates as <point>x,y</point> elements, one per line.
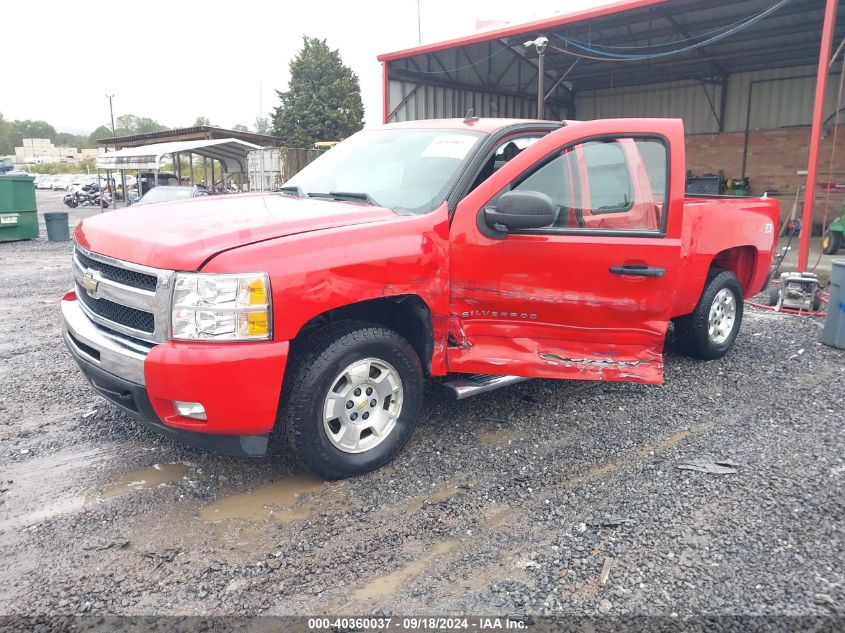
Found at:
<point>345,195</point>
<point>292,190</point>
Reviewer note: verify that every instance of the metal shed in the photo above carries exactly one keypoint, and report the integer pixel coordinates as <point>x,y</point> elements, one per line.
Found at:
<point>230,154</point>
<point>722,66</point>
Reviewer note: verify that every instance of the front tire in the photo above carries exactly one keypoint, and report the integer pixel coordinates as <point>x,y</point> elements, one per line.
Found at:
<point>831,242</point>
<point>373,368</point>
<point>710,331</point>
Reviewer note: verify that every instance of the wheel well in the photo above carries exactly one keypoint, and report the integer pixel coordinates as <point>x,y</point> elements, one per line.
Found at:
<point>408,315</point>
<point>740,260</point>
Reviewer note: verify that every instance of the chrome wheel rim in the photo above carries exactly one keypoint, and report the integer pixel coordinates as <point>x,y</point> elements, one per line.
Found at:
<point>722,316</point>
<point>362,405</point>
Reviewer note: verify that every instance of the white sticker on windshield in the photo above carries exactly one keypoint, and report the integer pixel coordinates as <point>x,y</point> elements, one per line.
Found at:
<point>453,146</point>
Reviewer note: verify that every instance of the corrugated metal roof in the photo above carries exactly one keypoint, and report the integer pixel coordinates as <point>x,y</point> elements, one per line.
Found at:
<point>229,151</point>
<point>486,66</point>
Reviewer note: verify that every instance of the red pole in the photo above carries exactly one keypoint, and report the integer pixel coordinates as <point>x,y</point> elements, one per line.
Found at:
<point>385,92</point>
<point>815,133</point>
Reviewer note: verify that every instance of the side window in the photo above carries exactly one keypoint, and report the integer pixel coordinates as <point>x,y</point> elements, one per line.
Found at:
<point>609,182</point>
<point>506,151</point>
<point>616,184</point>
<point>559,180</point>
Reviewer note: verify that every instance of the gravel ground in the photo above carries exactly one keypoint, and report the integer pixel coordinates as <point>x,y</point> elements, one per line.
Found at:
<point>511,502</point>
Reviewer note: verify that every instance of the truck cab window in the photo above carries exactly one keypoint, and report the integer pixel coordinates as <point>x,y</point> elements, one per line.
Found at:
<point>612,184</point>
<point>506,151</point>
<point>558,181</point>
<point>607,174</point>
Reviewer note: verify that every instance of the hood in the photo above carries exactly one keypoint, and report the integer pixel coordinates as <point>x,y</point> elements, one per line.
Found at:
<point>182,235</point>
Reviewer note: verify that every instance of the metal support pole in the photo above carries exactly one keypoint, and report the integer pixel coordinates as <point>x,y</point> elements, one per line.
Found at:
<point>541,63</point>
<point>815,134</point>
<point>191,163</point>
<point>385,93</point>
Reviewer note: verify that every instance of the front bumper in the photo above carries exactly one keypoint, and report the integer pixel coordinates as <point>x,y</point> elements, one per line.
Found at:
<point>238,384</point>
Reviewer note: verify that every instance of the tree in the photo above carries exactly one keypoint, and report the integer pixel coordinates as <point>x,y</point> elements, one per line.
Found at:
<point>128,124</point>
<point>240,128</point>
<point>202,120</point>
<point>6,145</point>
<point>323,100</point>
<point>262,125</point>
<point>96,135</point>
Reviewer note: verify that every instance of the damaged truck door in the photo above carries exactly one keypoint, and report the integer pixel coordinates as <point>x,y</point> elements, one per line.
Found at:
<point>590,295</point>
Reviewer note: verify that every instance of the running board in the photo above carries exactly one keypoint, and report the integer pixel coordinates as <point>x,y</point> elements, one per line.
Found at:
<point>473,384</point>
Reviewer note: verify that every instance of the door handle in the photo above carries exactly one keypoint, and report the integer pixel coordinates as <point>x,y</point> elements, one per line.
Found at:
<point>639,270</point>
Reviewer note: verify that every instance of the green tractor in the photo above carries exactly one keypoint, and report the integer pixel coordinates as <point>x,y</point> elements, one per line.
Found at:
<point>834,236</point>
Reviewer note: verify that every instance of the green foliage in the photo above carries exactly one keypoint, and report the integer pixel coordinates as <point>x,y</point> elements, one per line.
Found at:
<point>323,100</point>
<point>262,125</point>
<point>12,133</point>
<point>96,135</point>
<point>202,120</point>
<point>240,128</point>
<point>82,167</point>
<point>6,145</point>
<point>128,124</point>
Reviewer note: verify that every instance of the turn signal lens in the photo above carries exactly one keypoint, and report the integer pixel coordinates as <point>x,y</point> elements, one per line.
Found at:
<point>257,292</point>
<point>257,324</point>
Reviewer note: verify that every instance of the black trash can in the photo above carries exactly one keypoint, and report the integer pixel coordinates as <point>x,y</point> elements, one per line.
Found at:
<point>58,229</point>
<point>833,333</point>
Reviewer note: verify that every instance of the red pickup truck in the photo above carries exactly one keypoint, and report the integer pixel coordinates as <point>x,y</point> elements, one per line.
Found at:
<point>484,251</point>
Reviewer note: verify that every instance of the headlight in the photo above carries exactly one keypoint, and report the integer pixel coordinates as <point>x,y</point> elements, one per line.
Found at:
<point>222,307</point>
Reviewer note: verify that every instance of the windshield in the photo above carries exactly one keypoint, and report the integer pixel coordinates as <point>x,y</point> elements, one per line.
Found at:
<point>400,169</point>
<point>165,194</point>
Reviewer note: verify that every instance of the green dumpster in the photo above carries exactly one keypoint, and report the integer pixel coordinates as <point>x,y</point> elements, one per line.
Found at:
<point>18,214</point>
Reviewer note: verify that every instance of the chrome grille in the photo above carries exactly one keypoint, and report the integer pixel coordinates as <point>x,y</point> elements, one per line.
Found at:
<point>127,298</point>
<point>121,275</point>
<point>124,315</point>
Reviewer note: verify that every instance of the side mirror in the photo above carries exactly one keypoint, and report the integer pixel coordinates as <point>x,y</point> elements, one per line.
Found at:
<point>521,210</point>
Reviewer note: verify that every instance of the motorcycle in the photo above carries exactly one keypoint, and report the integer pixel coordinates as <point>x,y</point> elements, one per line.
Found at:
<point>88,195</point>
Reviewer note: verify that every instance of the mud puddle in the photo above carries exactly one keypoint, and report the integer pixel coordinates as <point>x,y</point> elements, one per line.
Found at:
<point>386,585</point>
<point>143,479</point>
<point>283,501</point>
<point>441,493</point>
<point>45,486</point>
<point>49,486</point>
<point>497,437</point>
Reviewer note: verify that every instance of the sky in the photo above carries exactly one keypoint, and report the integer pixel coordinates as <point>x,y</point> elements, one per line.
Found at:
<point>176,61</point>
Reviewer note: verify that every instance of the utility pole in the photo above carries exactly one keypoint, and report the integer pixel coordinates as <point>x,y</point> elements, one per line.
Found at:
<point>419,25</point>
<point>111,112</point>
<point>540,44</point>
<point>112,183</point>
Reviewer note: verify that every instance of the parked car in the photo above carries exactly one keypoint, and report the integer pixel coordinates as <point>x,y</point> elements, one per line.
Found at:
<point>169,194</point>
<point>410,251</point>
<point>78,182</point>
<point>149,178</point>
<point>60,182</point>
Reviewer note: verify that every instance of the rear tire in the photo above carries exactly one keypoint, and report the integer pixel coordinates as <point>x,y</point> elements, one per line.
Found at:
<point>359,363</point>
<point>831,242</point>
<point>710,330</point>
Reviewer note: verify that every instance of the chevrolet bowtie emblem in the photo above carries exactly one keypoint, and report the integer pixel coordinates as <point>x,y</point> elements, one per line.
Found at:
<point>89,282</point>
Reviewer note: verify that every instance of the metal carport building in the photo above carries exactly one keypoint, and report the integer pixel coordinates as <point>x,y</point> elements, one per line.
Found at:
<point>229,153</point>
<point>742,75</point>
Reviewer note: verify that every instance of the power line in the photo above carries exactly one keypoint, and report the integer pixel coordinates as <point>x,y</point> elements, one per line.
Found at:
<point>604,55</point>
